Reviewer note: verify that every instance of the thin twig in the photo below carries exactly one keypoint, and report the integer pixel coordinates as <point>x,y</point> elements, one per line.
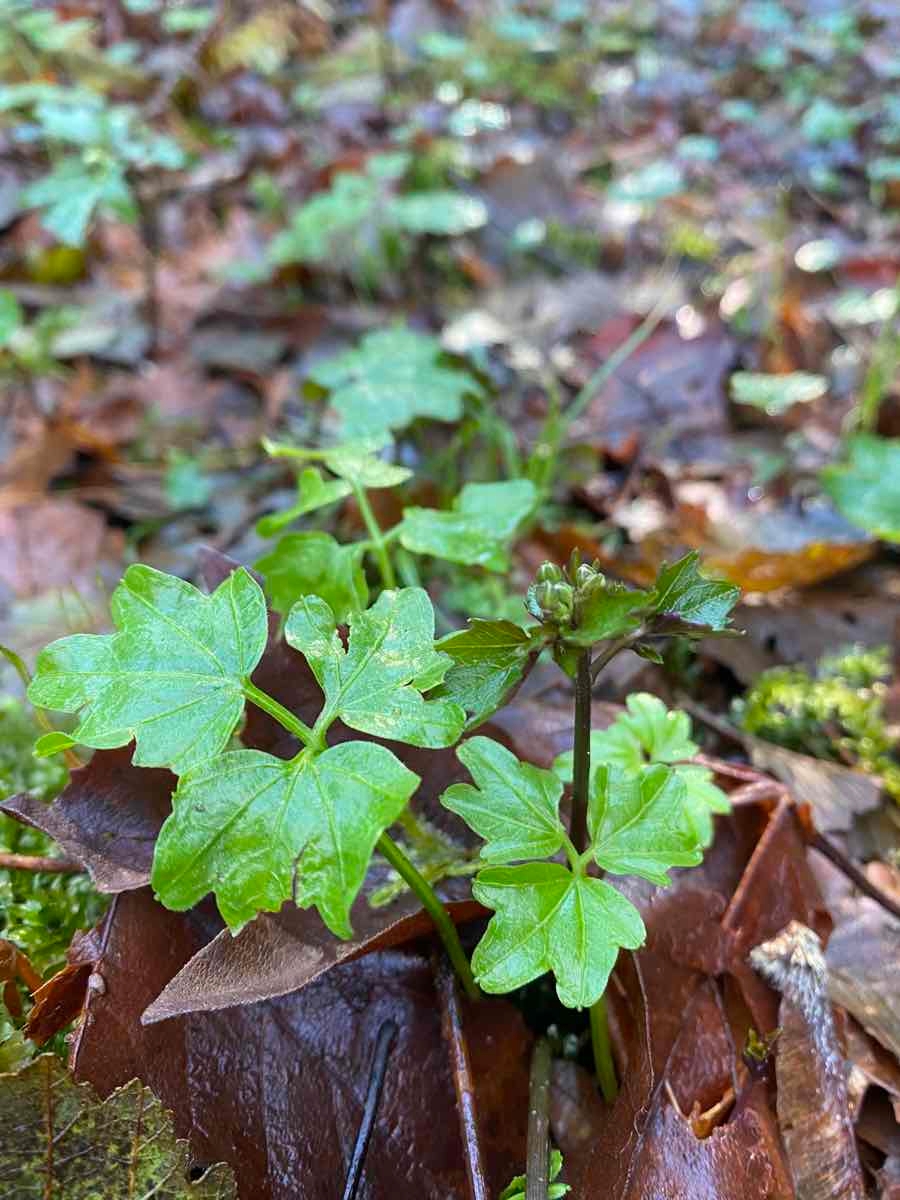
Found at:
<point>537,1165</point>
<point>451,1022</point>
<point>36,862</point>
<point>718,724</point>
<point>819,842</point>
<point>383,1044</point>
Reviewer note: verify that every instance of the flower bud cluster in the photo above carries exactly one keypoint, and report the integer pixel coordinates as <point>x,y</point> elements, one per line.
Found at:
<point>556,595</point>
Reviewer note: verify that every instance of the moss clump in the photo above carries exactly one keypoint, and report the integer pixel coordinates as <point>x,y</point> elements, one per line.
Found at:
<point>39,912</point>
<point>835,712</point>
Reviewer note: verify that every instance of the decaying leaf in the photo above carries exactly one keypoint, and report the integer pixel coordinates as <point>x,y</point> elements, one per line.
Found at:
<point>818,1136</point>
<point>278,1089</point>
<point>15,968</point>
<point>58,1139</point>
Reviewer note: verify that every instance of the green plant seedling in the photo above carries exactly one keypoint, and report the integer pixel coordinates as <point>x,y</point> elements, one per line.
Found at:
<point>26,347</point>
<point>363,227</point>
<point>630,815</point>
<point>475,531</point>
<point>99,150</point>
<point>256,831</point>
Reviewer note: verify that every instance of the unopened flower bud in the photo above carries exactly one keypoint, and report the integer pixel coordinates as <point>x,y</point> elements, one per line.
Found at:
<point>585,574</point>
<point>548,572</point>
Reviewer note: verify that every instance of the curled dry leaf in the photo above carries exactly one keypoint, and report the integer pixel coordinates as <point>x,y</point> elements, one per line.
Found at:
<point>819,1137</point>
<point>15,968</point>
<point>107,818</point>
<point>61,998</point>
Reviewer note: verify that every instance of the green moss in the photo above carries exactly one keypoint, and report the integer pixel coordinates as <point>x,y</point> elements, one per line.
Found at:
<point>835,712</point>
<point>38,911</point>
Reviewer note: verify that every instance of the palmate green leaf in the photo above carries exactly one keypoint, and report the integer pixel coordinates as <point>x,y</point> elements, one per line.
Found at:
<point>313,563</point>
<point>514,806</point>
<point>639,824</point>
<point>688,603</point>
<point>390,380</point>
<point>648,730</point>
<point>375,684</point>
<point>171,678</point>
<point>866,488</point>
<point>489,660</point>
<point>313,492</point>
<point>356,462</point>
<point>241,825</point>
<point>477,531</point>
<point>548,919</point>
<point>73,191</point>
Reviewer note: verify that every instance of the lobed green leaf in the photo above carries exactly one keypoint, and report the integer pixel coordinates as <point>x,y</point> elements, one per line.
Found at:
<point>314,563</point>
<point>548,919</point>
<point>243,824</point>
<point>639,824</point>
<point>390,380</point>
<point>689,603</point>
<point>514,806</point>
<point>478,529</point>
<point>489,660</point>
<point>375,684</point>
<point>170,679</point>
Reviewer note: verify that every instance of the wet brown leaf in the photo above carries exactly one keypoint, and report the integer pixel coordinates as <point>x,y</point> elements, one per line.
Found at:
<point>55,544</point>
<point>277,1089</point>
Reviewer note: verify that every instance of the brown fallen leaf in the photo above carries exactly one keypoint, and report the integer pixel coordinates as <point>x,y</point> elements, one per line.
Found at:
<point>835,794</point>
<point>51,544</point>
<point>670,385</point>
<point>15,968</point>
<point>818,1135</point>
<point>864,969</point>
<point>277,1089</point>
<point>60,1000</point>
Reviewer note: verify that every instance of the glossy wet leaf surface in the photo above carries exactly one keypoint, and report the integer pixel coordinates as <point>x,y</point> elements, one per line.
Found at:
<point>547,919</point>
<point>638,823</point>
<point>489,660</point>
<point>375,684</point>
<point>171,678</point>
<point>514,806</point>
<point>241,827</point>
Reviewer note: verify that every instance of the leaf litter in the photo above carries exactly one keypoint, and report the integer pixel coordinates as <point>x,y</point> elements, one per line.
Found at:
<point>501,201</point>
